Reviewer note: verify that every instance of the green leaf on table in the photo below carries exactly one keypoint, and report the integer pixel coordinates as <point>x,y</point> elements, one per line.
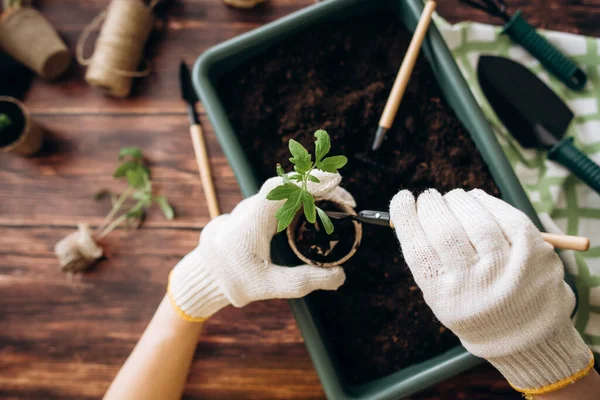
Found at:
<point>283,191</point>
<point>326,221</point>
<point>286,213</point>
<point>332,164</point>
<point>310,210</point>
<point>145,196</point>
<point>322,145</point>
<point>122,169</point>
<point>301,159</point>
<point>137,178</point>
<point>313,179</point>
<point>133,152</point>
<point>165,207</point>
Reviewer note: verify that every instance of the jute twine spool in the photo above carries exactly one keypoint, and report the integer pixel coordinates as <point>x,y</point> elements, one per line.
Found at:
<point>30,39</point>
<point>119,47</point>
<point>32,135</point>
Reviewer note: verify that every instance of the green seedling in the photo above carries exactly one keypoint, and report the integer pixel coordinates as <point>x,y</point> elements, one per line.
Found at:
<point>139,189</point>
<point>5,122</point>
<point>78,251</point>
<point>297,195</point>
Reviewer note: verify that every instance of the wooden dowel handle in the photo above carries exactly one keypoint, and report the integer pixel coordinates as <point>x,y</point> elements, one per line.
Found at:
<point>408,63</point>
<point>566,242</point>
<point>204,169</point>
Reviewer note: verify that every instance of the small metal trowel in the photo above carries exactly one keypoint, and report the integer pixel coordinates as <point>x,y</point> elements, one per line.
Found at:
<point>534,114</point>
<point>382,218</point>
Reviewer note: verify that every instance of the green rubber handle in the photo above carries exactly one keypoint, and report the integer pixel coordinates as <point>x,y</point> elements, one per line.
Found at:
<point>565,153</point>
<point>551,58</point>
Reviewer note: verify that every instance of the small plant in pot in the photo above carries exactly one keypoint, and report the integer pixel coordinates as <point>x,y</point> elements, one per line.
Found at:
<point>19,134</point>
<point>30,39</point>
<point>315,241</point>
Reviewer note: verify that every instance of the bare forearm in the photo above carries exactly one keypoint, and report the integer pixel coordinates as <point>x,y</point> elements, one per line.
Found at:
<point>159,364</point>
<point>587,387</point>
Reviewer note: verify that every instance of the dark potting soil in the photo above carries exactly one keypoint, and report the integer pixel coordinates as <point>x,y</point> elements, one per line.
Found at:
<point>12,132</point>
<point>317,245</point>
<point>337,77</point>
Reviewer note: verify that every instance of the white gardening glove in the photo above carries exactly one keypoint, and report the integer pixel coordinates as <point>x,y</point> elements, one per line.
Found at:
<point>488,276</point>
<point>232,263</point>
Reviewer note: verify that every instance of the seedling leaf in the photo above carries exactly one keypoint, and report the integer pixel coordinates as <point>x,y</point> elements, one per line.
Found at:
<point>122,169</point>
<point>298,195</point>
<point>133,152</point>
<point>282,192</point>
<point>313,179</point>
<point>322,145</point>
<point>326,221</point>
<point>286,213</point>
<point>136,178</point>
<point>309,207</point>
<point>332,164</point>
<point>301,159</point>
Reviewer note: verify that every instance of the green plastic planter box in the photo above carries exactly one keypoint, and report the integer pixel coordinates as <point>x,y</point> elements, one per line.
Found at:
<point>221,58</point>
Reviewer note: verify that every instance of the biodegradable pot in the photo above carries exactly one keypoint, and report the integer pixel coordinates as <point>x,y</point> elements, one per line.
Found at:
<point>24,136</point>
<point>291,236</point>
<point>30,39</point>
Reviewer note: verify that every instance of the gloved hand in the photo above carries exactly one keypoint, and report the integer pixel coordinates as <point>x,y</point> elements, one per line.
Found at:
<point>488,276</point>
<point>232,264</point>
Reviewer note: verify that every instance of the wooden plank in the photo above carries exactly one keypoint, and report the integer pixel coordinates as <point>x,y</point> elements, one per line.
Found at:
<point>66,338</point>
<point>57,187</point>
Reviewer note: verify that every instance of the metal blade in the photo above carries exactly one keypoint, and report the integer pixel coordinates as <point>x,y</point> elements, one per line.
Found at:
<point>185,81</point>
<point>523,102</point>
<point>337,214</point>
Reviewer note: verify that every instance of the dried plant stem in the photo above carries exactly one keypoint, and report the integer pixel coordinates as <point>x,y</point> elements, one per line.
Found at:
<point>111,226</point>
<point>115,209</point>
<point>118,221</point>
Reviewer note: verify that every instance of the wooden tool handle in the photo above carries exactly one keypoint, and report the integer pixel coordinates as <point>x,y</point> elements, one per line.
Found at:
<point>395,97</point>
<point>204,169</point>
<point>566,242</point>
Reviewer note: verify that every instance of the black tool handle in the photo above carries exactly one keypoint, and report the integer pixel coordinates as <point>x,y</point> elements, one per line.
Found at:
<point>560,66</point>
<point>375,217</point>
<point>565,153</point>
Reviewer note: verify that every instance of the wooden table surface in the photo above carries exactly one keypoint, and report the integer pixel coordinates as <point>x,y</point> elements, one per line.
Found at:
<point>66,338</point>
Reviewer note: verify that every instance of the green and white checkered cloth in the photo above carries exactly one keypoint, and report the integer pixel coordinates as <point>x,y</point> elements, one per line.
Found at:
<point>564,203</point>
